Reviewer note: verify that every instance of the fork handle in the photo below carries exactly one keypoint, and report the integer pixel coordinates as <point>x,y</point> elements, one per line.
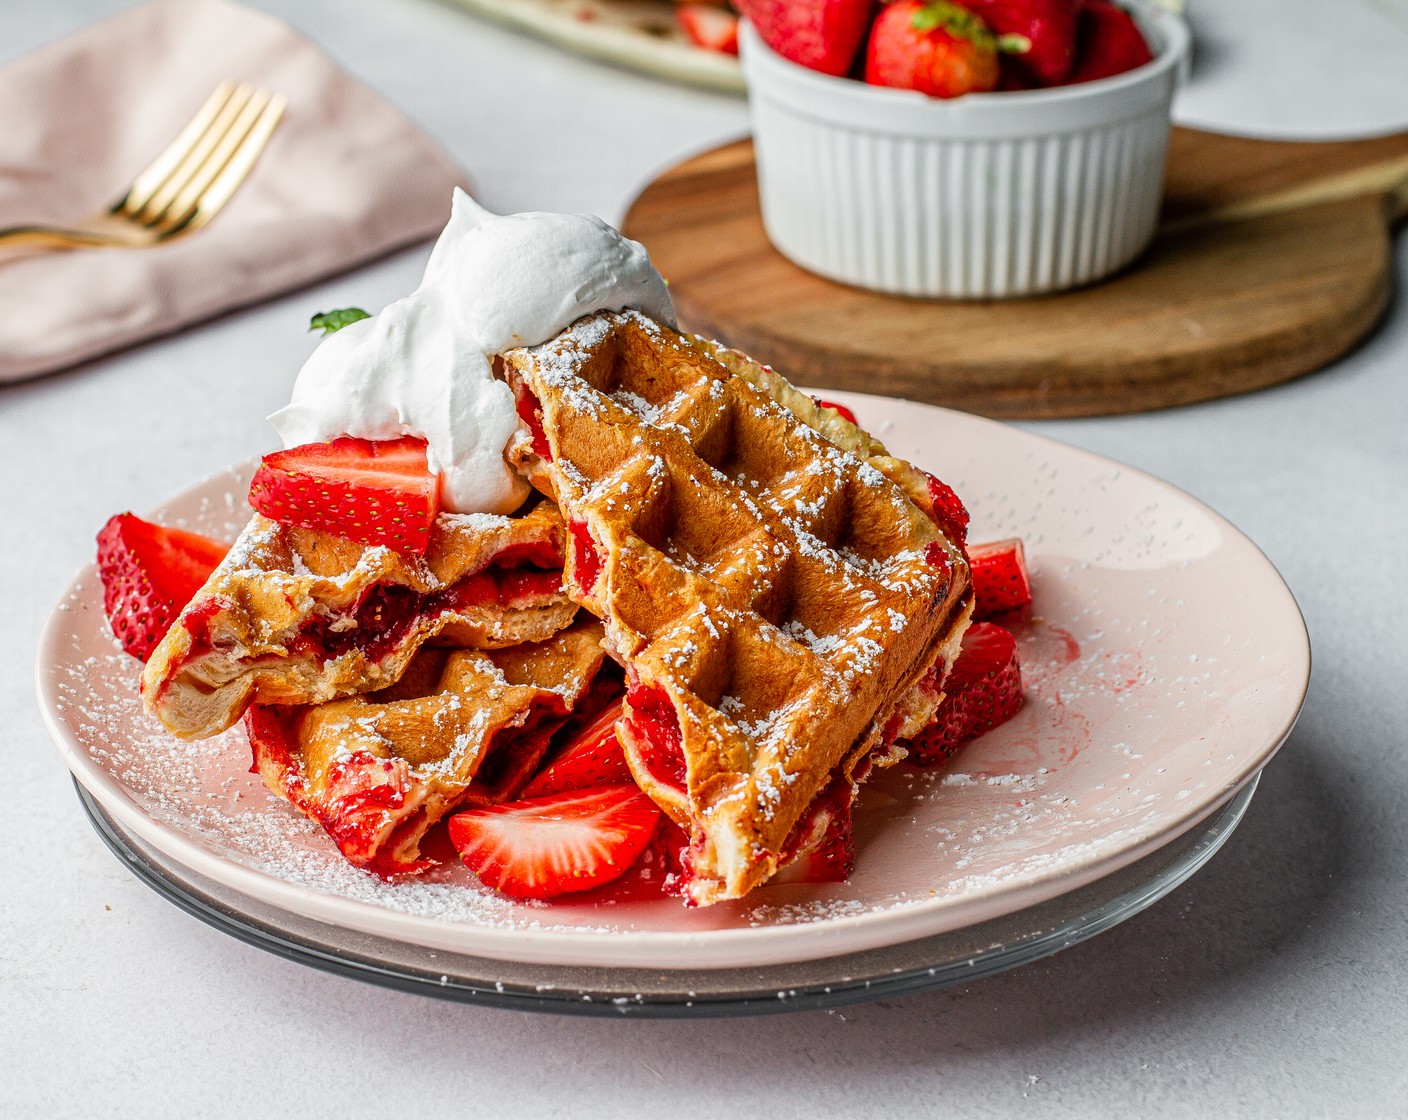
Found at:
<point>49,237</point>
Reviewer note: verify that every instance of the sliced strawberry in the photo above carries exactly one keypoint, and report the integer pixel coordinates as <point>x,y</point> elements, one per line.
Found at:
<point>714,29</point>
<point>982,690</point>
<point>374,492</point>
<point>840,409</point>
<point>546,846</point>
<point>947,511</point>
<point>821,35</point>
<point>824,839</point>
<point>593,757</point>
<point>149,573</point>
<point>647,880</point>
<point>1109,42</point>
<point>1000,582</point>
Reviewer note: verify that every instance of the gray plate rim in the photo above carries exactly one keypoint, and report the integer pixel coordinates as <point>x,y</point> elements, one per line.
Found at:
<point>960,956</point>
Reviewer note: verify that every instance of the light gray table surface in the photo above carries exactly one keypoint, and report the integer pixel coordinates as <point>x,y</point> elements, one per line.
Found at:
<point>1273,984</point>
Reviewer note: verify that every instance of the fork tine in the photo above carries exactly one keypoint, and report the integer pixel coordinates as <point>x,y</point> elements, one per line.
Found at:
<point>218,192</point>
<point>151,210</point>
<point>150,178</point>
<point>180,205</point>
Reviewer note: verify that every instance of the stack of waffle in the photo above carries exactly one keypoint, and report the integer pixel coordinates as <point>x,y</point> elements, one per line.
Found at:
<point>770,579</point>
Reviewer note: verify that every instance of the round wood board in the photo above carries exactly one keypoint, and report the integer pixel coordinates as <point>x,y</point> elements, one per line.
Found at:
<point>1272,259</point>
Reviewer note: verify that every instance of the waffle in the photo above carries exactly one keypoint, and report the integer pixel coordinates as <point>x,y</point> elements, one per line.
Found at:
<point>826,421</point>
<point>783,609</point>
<point>460,727</point>
<point>299,616</point>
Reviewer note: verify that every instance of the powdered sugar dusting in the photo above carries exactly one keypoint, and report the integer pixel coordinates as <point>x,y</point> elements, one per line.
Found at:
<point>1141,713</point>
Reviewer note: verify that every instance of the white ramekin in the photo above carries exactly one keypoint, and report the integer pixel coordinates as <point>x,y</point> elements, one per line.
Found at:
<point>993,194</point>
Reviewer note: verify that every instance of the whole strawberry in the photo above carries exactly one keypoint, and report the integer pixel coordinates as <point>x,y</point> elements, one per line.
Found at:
<point>1109,43</point>
<point>1049,28</point>
<point>822,35</point>
<point>933,46</point>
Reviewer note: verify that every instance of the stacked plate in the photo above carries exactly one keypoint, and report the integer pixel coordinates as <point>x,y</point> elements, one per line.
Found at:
<point>1164,661</point>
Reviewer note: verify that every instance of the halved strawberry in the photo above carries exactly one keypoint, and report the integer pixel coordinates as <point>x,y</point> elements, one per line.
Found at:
<point>1000,582</point>
<point>982,690</point>
<point>149,573</point>
<point>546,846</point>
<point>593,757</point>
<point>374,492</point>
<point>714,29</point>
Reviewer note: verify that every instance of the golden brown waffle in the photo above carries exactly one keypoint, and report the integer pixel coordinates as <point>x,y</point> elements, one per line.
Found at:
<point>782,607</point>
<point>460,727</point>
<point>827,421</point>
<point>299,616</point>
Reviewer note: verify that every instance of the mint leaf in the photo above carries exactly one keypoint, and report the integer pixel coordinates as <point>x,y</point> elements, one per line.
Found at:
<point>330,322</point>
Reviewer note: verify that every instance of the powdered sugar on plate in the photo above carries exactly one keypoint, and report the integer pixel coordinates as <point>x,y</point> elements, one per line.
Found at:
<point>1165,663</point>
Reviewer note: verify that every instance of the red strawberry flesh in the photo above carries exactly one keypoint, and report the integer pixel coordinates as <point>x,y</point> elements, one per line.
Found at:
<point>386,612</point>
<point>982,691</point>
<point>824,839</point>
<point>1000,580</point>
<point>542,847</point>
<point>840,409</point>
<point>1049,28</point>
<point>714,29</point>
<point>936,47</point>
<point>535,554</point>
<point>1109,43</point>
<point>822,35</point>
<point>373,492</point>
<point>656,728</point>
<point>947,511</point>
<point>149,572</point>
<point>593,757</point>
<point>530,411</point>
<point>586,556</point>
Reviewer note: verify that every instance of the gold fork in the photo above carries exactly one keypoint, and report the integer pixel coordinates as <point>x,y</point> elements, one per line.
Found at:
<point>184,187</point>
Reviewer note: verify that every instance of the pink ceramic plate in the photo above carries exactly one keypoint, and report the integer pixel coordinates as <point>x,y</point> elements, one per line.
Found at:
<point>1165,662</point>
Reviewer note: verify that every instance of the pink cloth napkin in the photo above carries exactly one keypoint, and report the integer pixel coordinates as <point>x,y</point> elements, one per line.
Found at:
<point>344,179</point>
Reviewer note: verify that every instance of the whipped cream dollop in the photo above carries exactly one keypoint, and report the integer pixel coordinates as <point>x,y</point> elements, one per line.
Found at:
<point>422,367</point>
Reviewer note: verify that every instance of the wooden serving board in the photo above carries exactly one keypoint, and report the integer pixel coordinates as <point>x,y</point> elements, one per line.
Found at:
<point>1272,259</point>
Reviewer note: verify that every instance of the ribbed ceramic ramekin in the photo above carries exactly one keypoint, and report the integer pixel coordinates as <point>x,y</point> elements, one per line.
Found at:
<point>988,195</point>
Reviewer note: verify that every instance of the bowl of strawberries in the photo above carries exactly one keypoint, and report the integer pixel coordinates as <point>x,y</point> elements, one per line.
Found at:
<point>974,149</point>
